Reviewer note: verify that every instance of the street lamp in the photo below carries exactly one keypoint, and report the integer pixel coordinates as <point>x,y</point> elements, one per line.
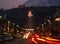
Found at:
<point>0,17</point>
<point>43,27</point>
<point>8,25</point>
<point>49,21</point>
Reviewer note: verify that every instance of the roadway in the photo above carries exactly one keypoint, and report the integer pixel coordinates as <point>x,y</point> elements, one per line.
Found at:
<point>18,41</point>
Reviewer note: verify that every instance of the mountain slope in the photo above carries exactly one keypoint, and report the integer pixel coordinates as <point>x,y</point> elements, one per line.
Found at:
<point>42,3</point>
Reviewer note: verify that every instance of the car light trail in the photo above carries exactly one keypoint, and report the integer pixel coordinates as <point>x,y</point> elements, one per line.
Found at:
<point>34,41</point>
<point>40,39</point>
<point>26,35</point>
<point>48,40</point>
<point>43,40</point>
<point>36,35</point>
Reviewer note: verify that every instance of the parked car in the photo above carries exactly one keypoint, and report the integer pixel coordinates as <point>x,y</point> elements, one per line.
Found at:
<point>8,37</point>
<point>18,35</point>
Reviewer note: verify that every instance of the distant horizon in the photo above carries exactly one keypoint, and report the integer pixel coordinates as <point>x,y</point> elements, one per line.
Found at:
<point>8,4</point>
<point>29,6</point>
<point>42,3</point>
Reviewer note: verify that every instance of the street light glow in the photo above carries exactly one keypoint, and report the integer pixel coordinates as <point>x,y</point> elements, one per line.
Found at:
<point>30,14</point>
<point>0,17</point>
<point>57,19</point>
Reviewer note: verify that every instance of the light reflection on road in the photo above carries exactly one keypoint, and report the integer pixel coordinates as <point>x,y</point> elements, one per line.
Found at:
<point>26,35</point>
<point>48,40</point>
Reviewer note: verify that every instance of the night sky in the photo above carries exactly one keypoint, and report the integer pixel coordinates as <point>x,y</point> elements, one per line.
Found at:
<point>7,4</point>
<point>43,3</point>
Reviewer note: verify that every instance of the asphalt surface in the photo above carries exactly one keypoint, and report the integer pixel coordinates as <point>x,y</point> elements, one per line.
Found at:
<point>17,41</point>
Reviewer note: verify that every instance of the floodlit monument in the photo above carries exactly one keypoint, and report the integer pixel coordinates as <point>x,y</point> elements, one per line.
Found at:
<point>29,24</point>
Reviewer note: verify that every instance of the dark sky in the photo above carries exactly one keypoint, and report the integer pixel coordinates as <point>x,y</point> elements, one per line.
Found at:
<point>7,4</point>
<point>43,3</point>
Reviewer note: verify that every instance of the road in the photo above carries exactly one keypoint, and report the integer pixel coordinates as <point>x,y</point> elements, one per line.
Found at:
<point>27,41</point>
<point>18,41</point>
<point>33,39</point>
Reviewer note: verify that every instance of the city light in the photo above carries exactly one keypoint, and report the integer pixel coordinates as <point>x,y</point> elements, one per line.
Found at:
<point>30,25</point>
<point>0,17</point>
<point>26,35</point>
<point>57,19</point>
<point>30,14</point>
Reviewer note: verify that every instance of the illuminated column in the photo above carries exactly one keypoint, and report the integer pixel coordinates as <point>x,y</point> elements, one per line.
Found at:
<point>30,22</point>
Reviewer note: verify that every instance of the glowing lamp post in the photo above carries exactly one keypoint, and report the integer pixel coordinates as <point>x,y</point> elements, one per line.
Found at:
<point>0,17</point>
<point>8,25</point>
<point>13,27</point>
<point>43,27</point>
